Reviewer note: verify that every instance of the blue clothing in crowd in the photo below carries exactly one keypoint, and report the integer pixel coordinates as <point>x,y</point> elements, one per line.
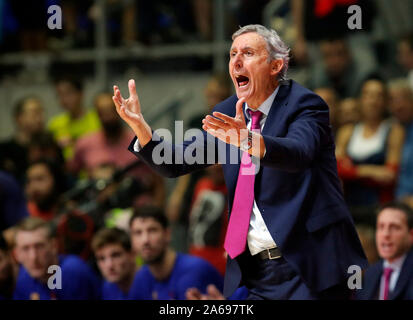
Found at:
<point>78,283</point>
<point>188,272</point>
<point>111,291</point>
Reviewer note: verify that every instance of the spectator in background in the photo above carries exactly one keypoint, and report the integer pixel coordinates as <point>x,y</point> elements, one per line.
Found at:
<point>348,112</point>
<point>116,262</point>
<point>12,202</point>
<point>368,154</point>
<point>36,250</point>
<point>208,221</point>
<point>401,107</point>
<point>8,271</point>
<point>392,277</point>
<point>108,145</point>
<point>340,69</point>
<point>29,119</point>
<point>76,121</point>
<point>166,274</point>
<point>330,98</point>
<point>43,146</point>
<point>44,184</point>
<point>405,56</point>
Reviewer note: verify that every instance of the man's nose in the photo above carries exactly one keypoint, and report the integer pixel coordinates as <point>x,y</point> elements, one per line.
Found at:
<point>237,61</point>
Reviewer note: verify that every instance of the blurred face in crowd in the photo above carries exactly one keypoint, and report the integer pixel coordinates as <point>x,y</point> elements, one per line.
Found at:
<point>405,55</point>
<point>70,98</point>
<point>348,111</point>
<point>329,96</point>
<point>336,57</point>
<point>40,186</point>
<point>115,263</point>
<point>31,119</point>
<point>401,104</point>
<point>373,100</point>
<point>393,237</point>
<point>108,116</point>
<point>149,239</point>
<point>254,77</point>
<point>36,251</point>
<point>6,266</point>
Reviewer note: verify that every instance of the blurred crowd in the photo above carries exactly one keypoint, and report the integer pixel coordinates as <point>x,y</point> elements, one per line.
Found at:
<point>71,193</point>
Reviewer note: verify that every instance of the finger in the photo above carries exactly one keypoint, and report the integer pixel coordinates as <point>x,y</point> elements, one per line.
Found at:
<point>214,293</point>
<point>193,294</point>
<point>239,108</point>
<point>217,122</point>
<point>224,117</point>
<point>132,88</point>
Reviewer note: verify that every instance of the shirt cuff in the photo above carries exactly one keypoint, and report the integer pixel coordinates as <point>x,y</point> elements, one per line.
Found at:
<point>137,147</point>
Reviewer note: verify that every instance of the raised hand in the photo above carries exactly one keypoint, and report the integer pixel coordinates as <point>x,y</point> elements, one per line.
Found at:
<point>228,129</point>
<point>130,111</point>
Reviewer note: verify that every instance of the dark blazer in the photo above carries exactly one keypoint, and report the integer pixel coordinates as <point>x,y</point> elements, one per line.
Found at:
<point>372,276</point>
<point>296,189</point>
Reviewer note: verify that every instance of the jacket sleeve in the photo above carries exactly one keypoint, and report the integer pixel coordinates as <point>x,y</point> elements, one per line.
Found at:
<point>307,135</point>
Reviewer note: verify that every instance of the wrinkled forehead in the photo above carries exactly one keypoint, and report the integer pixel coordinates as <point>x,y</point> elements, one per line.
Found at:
<point>249,40</point>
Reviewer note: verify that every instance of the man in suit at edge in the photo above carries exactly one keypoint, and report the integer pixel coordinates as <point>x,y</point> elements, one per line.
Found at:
<point>392,277</point>
<point>299,238</point>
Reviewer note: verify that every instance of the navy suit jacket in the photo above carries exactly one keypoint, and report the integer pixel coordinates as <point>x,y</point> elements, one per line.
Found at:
<point>297,189</point>
<point>404,285</point>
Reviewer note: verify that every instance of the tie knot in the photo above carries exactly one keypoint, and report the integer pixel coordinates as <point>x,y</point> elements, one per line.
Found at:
<point>387,272</point>
<point>255,118</point>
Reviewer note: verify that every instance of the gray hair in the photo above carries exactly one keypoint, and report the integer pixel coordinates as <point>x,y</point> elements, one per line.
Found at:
<point>276,48</point>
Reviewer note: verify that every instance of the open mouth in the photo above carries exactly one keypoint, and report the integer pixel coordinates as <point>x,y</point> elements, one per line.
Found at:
<point>242,81</point>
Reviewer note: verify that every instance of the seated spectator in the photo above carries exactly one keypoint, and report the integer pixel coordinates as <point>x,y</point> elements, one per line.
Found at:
<point>348,112</point>
<point>368,154</point>
<point>12,202</point>
<point>8,271</point>
<point>36,250</point>
<point>208,219</point>
<point>76,121</point>
<point>108,145</point>
<point>401,106</point>
<point>339,70</point>
<point>28,116</point>
<point>43,146</point>
<point>116,262</point>
<point>330,97</point>
<point>392,277</point>
<point>166,274</point>
<point>405,56</point>
<point>45,183</point>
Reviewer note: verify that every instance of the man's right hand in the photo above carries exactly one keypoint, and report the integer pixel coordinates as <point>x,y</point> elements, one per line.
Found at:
<point>130,111</point>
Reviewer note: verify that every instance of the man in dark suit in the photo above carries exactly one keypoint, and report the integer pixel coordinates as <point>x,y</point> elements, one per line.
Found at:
<point>290,235</point>
<point>392,277</point>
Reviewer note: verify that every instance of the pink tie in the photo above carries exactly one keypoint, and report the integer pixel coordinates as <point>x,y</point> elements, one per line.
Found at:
<point>387,274</point>
<point>239,221</point>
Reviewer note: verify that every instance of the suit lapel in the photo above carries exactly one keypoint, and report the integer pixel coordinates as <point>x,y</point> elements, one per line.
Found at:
<point>373,288</point>
<point>277,106</point>
<point>404,277</point>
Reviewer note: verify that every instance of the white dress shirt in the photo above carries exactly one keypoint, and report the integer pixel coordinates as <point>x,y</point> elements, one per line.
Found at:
<point>397,267</point>
<point>259,238</point>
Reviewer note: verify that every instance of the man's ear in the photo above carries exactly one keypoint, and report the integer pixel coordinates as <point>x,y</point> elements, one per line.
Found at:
<point>276,66</point>
<point>411,236</point>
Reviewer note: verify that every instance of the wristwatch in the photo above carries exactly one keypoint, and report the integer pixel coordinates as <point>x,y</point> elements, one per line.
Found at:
<point>246,144</point>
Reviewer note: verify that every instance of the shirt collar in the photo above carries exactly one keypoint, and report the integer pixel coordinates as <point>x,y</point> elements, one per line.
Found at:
<point>265,106</point>
<point>395,265</point>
